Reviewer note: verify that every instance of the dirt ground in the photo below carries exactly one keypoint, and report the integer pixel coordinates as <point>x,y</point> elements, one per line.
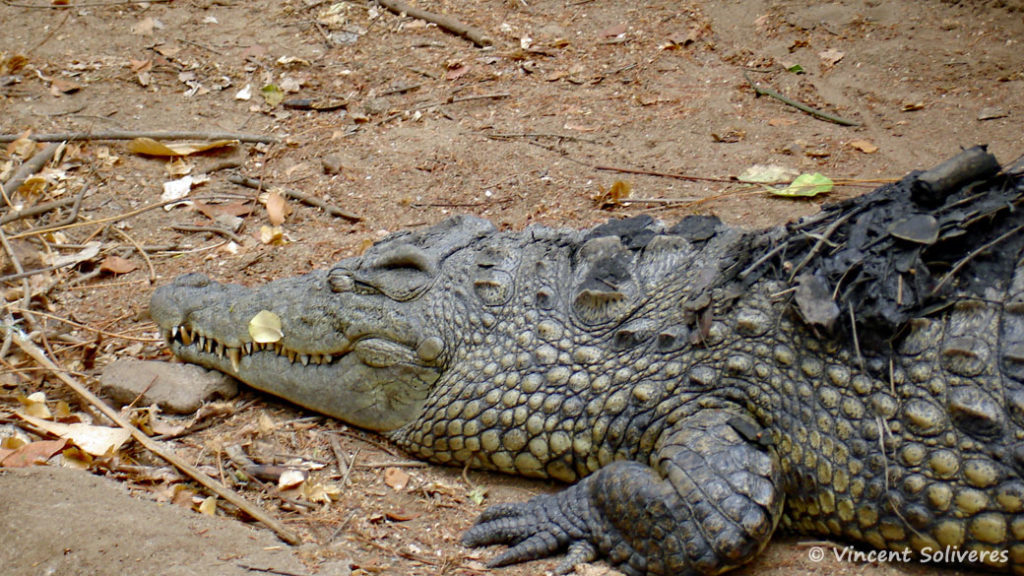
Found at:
<point>402,123</point>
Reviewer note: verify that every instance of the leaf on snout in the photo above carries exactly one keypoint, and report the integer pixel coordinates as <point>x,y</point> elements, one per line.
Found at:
<point>265,327</point>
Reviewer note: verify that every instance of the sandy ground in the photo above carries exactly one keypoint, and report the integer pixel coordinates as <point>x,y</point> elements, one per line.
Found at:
<point>403,124</point>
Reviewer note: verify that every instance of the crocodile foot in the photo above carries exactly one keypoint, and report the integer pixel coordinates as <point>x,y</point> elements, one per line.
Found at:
<point>709,502</point>
<point>546,525</point>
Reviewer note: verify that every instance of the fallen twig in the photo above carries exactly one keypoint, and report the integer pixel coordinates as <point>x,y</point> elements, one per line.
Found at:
<point>131,135</point>
<point>513,135</point>
<point>662,174</point>
<point>138,248</point>
<point>798,105</point>
<point>300,196</point>
<point>213,229</point>
<point>52,6</point>
<point>209,483</point>
<point>115,218</point>
<point>451,100</point>
<point>970,256</point>
<point>26,290</point>
<point>31,166</point>
<point>37,210</point>
<point>473,34</point>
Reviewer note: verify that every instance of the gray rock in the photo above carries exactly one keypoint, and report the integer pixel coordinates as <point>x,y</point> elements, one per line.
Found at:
<point>175,388</point>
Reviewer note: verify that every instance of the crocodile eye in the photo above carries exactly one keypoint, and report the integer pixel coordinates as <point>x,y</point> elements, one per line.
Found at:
<point>340,280</point>
<point>406,257</point>
<point>400,272</point>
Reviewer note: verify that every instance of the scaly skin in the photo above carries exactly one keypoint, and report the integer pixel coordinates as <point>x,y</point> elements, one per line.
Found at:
<point>693,407</point>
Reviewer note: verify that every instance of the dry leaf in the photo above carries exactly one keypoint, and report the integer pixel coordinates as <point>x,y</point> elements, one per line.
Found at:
<point>178,167</point>
<point>144,27</point>
<point>209,506</point>
<point>271,234</point>
<point>864,146</point>
<point>396,478</point>
<point>831,57</point>
<point>117,265</point>
<point>74,457</point>
<point>320,493</point>
<point>33,454</point>
<point>150,147</point>
<point>96,440</point>
<point>60,86</point>
<point>613,31</point>
<point>401,515</point>
<point>614,196</point>
<point>456,73</point>
<point>291,478</point>
<point>277,208</point>
<point>23,146</point>
<point>35,405</point>
<point>266,424</point>
<point>782,122</point>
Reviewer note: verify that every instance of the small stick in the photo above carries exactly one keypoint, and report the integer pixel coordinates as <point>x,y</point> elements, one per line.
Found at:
<point>662,174</point>
<point>76,206</point>
<point>30,273</point>
<point>821,242</point>
<point>970,256</point>
<point>214,229</point>
<point>401,464</point>
<point>31,166</point>
<point>494,96</point>
<point>338,456</point>
<point>131,135</point>
<point>511,135</point>
<point>300,196</point>
<point>88,328</point>
<point>798,105</point>
<point>26,289</point>
<point>474,35</point>
<point>36,210</point>
<point>149,444</point>
<point>138,248</point>
<point>116,218</point>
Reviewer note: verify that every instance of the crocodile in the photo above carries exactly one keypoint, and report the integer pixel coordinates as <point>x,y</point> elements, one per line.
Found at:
<point>857,375</point>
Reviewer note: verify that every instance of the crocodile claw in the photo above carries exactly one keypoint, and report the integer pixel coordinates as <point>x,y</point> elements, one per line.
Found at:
<point>542,527</point>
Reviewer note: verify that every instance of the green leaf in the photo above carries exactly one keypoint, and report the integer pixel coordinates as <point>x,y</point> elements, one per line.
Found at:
<point>796,69</point>
<point>272,95</point>
<point>806,185</point>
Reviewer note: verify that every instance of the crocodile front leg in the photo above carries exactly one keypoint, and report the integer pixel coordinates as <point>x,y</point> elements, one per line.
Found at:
<point>709,502</point>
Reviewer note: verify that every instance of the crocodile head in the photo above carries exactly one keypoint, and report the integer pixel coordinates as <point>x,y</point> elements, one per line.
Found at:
<point>361,342</point>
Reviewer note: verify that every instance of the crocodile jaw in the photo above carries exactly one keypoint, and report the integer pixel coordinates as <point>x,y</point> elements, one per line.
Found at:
<point>376,378</point>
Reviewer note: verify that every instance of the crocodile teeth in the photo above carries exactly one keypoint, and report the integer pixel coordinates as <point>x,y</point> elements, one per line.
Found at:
<point>186,336</point>
<point>234,354</point>
<point>327,358</point>
<point>304,358</point>
<point>247,347</point>
<point>174,332</point>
